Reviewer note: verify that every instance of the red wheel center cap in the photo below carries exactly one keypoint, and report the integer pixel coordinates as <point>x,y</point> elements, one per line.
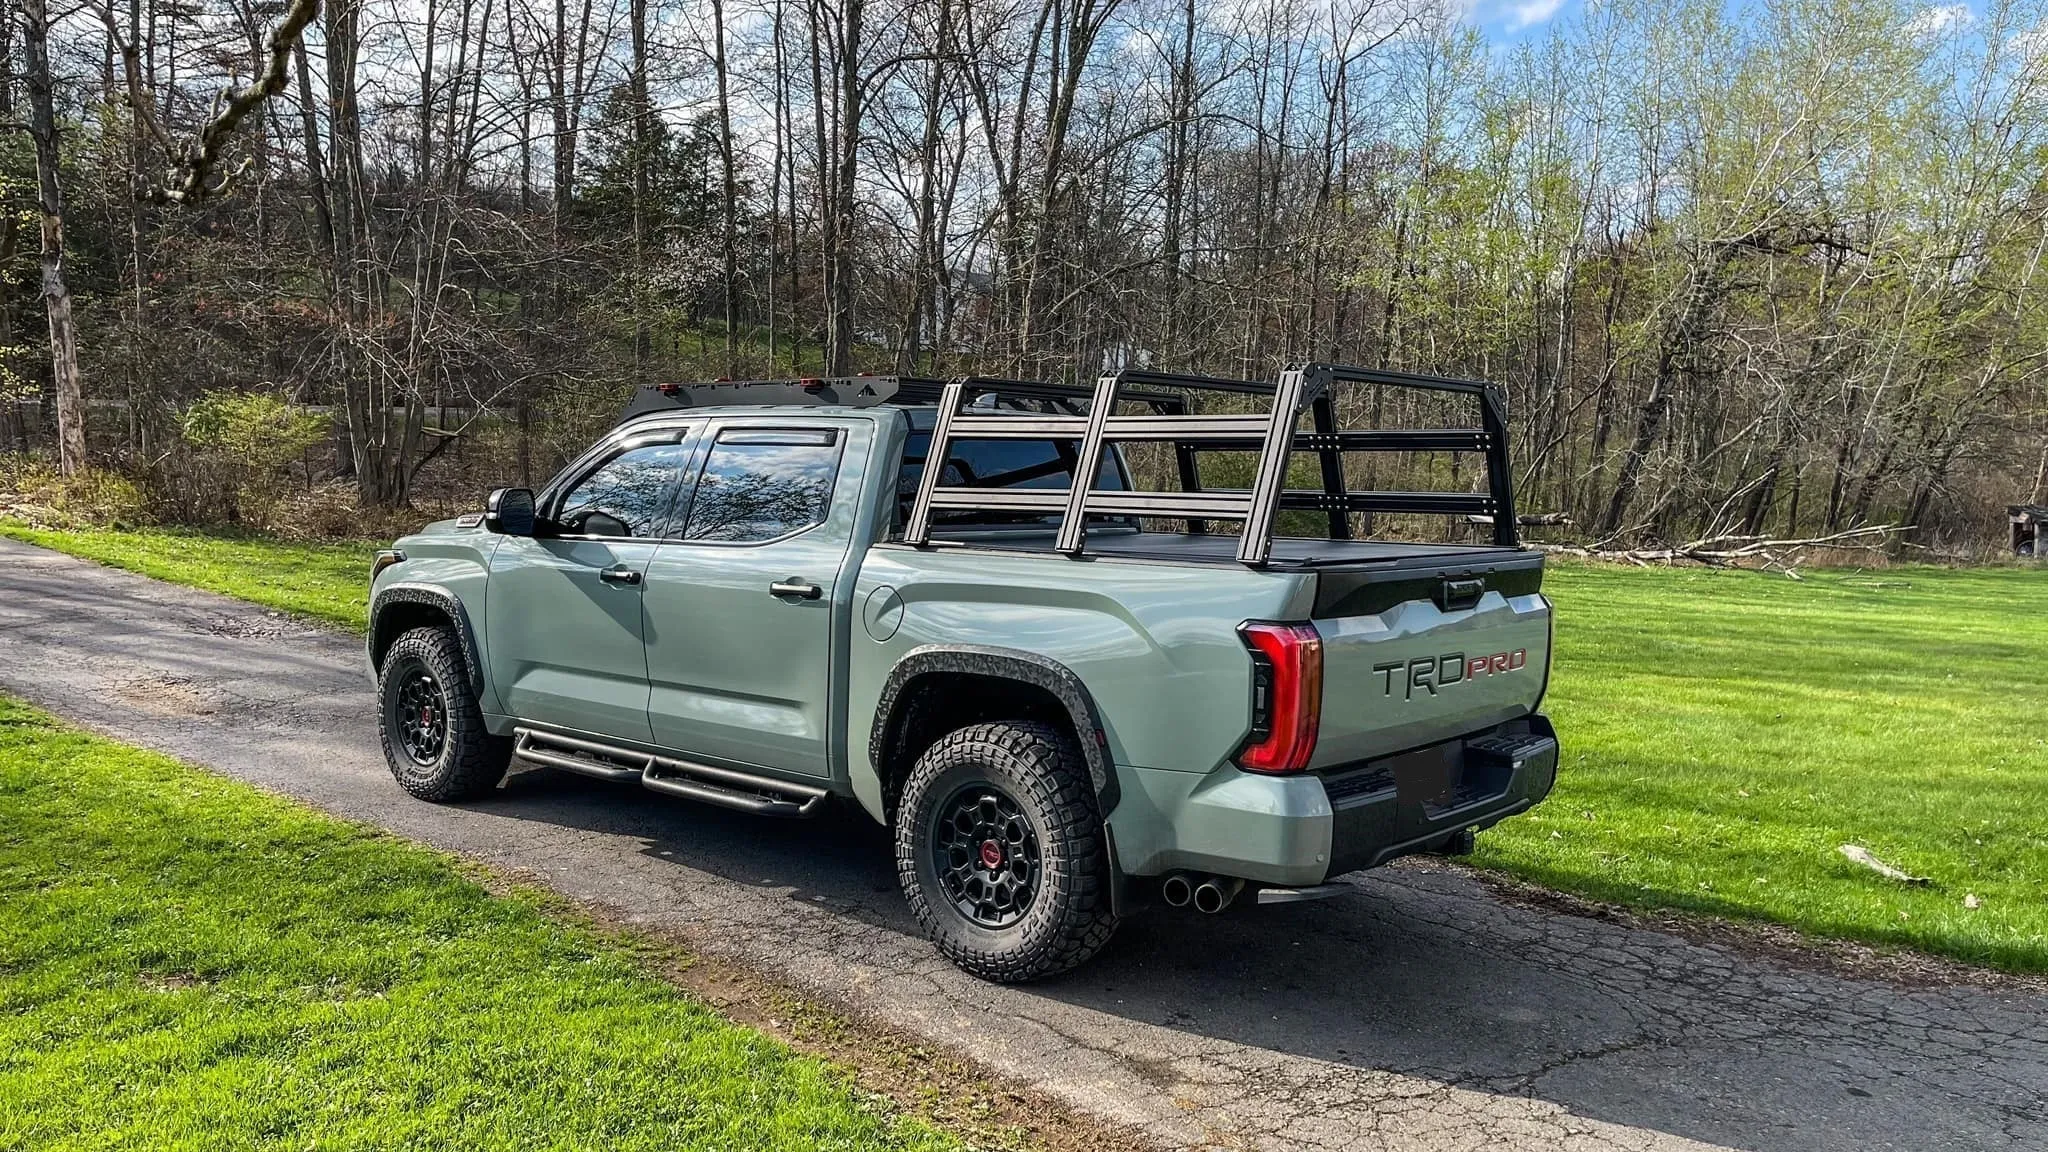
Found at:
<point>991,854</point>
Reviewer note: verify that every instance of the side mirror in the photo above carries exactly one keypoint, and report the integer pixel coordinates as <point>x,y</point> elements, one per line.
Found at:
<point>510,511</point>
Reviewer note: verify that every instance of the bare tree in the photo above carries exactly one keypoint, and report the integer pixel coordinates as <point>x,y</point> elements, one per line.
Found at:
<point>64,370</point>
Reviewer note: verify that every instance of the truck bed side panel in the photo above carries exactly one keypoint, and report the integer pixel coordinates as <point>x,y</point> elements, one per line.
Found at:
<point>1155,644</point>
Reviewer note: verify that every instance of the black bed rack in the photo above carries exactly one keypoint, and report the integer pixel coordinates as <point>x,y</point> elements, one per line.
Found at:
<point>994,408</point>
<point>1271,434</point>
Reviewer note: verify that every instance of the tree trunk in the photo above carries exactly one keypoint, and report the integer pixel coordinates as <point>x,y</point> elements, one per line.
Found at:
<point>1176,179</point>
<point>316,173</point>
<point>828,216</point>
<point>69,384</point>
<point>839,274</point>
<point>642,112</point>
<point>921,305</point>
<point>729,249</point>
<point>1649,423</point>
<point>13,425</point>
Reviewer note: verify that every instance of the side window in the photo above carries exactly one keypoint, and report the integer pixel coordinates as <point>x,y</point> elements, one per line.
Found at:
<point>627,495</point>
<point>763,484</point>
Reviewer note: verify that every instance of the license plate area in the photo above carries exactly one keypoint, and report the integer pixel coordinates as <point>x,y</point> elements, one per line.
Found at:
<point>1429,779</point>
<point>1439,782</point>
<point>1447,778</point>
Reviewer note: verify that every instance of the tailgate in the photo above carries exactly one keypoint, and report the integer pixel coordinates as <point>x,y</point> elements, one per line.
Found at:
<point>1415,657</point>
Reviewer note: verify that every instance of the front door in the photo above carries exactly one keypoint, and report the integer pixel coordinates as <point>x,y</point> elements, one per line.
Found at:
<point>565,632</point>
<point>741,603</point>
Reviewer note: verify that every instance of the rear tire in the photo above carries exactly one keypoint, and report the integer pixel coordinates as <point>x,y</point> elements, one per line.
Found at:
<point>1000,851</point>
<point>429,721</point>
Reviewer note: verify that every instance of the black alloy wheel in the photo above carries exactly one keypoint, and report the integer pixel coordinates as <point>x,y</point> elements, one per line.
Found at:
<point>421,718</point>
<point>428,720</point>
<point>1002,853</point>
<point>986,856</point>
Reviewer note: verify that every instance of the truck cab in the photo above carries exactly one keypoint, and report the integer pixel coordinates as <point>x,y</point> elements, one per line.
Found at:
<point>893,592</point>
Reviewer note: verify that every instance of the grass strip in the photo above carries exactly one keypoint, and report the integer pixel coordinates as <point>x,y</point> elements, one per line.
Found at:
<point>189,963</point>
<point>327,581</point>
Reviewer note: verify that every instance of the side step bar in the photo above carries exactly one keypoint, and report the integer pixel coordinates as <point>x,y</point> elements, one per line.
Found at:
<point>559,752</point>
<point>726,787</point>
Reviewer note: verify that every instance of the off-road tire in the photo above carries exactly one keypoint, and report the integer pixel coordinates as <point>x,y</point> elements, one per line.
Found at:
<point>1036,766</point>
<point>470,761</point>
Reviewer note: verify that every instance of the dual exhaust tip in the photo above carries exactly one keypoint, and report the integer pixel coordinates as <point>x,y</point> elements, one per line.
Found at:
<point>1210,894</point>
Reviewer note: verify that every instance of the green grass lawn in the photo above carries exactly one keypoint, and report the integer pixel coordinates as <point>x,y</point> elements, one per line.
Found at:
<point>186,962</point>
<point>322,580</point>
<point>1725,733</point>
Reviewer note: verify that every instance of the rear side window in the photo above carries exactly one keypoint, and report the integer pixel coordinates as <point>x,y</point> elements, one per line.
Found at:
<point>625,496</point>
<point>764,484</point>
<point>997,464</point>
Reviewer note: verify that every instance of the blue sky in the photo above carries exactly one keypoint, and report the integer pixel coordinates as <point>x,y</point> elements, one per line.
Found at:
<point>1510,21</point>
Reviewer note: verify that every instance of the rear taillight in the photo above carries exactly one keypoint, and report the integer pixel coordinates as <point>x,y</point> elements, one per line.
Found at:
<point>1287,696</point>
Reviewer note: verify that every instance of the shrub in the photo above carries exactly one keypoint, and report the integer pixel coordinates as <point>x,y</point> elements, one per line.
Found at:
<point>246,441</point>
<point>32,490</point>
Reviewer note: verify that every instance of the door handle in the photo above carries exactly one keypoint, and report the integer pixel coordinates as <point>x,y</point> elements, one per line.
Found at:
<point>620,575</point>
<point>794,586</point>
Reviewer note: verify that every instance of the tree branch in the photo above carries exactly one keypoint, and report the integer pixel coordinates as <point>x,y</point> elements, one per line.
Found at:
<point>192,175</point>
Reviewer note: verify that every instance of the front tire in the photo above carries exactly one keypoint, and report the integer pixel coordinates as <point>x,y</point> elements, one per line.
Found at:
<point>432,729</point>
<point>1000,851</point>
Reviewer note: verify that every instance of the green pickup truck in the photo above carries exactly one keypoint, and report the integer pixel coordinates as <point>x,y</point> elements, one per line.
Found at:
<point>1065,698</point>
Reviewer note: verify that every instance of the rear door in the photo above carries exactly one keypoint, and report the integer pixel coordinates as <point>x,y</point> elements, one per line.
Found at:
<point>747,605</point>
<point>563,611</point>
<point>1417,655</point>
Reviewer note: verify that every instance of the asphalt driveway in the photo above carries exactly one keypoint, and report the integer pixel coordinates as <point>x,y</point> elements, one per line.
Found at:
<point>1421,1013</point>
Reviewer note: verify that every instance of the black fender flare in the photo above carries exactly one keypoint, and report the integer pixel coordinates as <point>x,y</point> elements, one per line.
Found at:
<point>432,596</point>
<point>1007,664</point>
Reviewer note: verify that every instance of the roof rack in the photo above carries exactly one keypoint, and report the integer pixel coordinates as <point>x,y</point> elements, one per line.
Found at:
<point>1271,434</point>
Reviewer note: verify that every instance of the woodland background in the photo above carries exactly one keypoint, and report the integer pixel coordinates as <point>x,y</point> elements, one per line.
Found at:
<point>1765,268</point>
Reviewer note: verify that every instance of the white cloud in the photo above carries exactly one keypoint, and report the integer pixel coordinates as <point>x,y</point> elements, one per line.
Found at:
<point>1938,19</point>
<point>1533,12</point>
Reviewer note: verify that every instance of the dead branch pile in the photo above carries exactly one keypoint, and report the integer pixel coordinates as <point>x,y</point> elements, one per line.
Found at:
<point>1729,551</point>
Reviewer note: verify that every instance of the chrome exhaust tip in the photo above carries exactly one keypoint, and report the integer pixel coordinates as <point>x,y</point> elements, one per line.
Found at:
<point>1215,893</point>
<point>1177,890</point>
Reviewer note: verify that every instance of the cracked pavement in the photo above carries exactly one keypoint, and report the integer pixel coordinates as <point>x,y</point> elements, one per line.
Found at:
<point>1420,1013</point>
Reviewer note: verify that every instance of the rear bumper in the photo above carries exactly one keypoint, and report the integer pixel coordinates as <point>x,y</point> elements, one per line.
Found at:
<point>1298,830</point>
<point>1412,802</point>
